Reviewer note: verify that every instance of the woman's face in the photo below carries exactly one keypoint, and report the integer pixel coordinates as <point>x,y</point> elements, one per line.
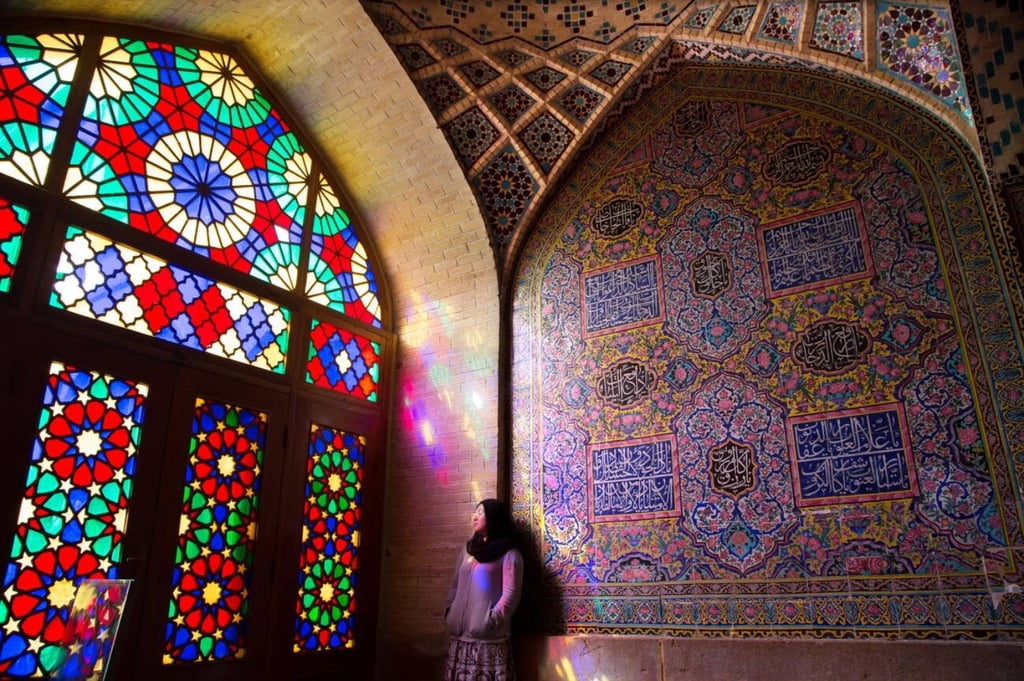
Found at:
<point>479,520</point>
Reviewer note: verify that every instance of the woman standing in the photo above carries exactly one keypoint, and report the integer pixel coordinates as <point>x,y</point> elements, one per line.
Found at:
<point>485,592</point>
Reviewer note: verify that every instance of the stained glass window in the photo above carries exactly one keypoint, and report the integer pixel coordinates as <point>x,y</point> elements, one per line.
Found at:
<point>13,219</point>
<point>35,78</point>
<point>340,276</point>
<point>330,538</point>
<point>343,361</point>
<point>112,283</point>
<point>209,604</point>
<point>179,143</point>
<point>73,512</point>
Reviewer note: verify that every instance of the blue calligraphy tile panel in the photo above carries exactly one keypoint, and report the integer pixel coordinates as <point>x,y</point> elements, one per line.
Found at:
<point>852,456</point>
<point>820,248</point>
<point>622,297</point>
<point>633,480</point>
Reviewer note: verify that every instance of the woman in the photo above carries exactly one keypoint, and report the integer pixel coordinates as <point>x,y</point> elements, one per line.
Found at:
<point>484,594</point>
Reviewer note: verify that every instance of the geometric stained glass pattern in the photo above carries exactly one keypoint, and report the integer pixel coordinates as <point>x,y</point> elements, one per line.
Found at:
<point>13,219</point>
<point>179,143</point>
<point>330,540</point>
<point>117,285</point>
<point>838,28</point>
<point>343,361</point>
<point>918,44</point>
<point>73,512</point>
<point>340,276</point>
<point>35,78</point>
<point>209,603</point>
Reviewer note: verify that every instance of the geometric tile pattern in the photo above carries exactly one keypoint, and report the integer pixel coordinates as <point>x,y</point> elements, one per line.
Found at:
<point>470,135</point>
<point>782,22</point>
<point>511,102</point>
<point>701,18</point>
<point>611,71</point>
<point>545,78</point>
<point>579,101</point>
<point>546,138</point>
<point>479,73</point>
<point>738,20</point>
<point>838,28</point>
<point>918,45</point>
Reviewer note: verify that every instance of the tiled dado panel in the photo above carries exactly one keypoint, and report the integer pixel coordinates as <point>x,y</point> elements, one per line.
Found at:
<point>766,375</point>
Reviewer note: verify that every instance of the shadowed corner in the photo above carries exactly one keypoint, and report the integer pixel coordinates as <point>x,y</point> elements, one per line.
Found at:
<point>540,613</point>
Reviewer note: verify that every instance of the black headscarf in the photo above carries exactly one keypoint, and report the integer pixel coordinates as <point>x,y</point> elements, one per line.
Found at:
<point>501,533</point>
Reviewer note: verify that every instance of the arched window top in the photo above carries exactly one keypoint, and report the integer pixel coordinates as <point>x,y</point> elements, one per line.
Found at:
<point>180,143</point>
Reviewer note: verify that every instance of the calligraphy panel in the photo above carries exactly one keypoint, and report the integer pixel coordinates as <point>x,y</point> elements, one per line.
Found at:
<point>622,297</point>
<point>850,456</point>
<point>710,274</point>
<point>821,248</point>
<point>732,467</point>
<point>626,383</point>
<point>633,480</point>
<point>615,218</point>
<point>831,346</point>
<point>797,162</point>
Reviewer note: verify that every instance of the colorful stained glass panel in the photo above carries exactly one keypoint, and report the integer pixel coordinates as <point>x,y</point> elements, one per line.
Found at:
<point>35,78</point>
<point>13,219</point>
<point>179,143</point>
<point>209,603</point>
<point>117,285</point>
<point>343,361</point>
<point>73,512</point>
<point>330,539</point>
<point>340,275</point>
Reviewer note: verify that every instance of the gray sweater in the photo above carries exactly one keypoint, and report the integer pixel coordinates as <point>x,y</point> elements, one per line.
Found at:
<point>484,596</point>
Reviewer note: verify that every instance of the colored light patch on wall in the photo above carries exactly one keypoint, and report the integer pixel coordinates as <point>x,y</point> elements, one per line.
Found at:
<point>330,540</point>
<point>35,78</point>
<point>209,603</point>
<point>73,512</point>
<point>179,143</point>
<point>340,275</point>
<point>117,285</point>
<point>343,361</point>
<point>13,219</point>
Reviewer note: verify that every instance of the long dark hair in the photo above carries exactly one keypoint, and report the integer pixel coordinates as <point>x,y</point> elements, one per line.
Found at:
<point>501,533</point>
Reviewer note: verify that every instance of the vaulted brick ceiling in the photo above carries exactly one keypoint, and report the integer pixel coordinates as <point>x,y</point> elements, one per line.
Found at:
<point>521,88</point>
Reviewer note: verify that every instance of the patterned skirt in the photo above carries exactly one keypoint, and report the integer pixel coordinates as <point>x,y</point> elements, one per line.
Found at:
<point>470,660</point>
